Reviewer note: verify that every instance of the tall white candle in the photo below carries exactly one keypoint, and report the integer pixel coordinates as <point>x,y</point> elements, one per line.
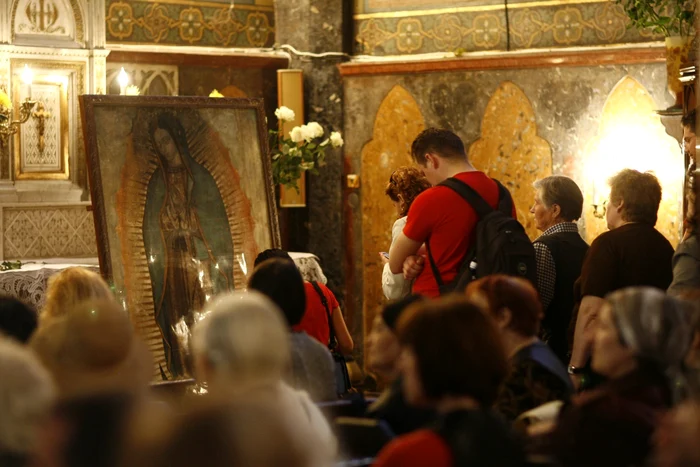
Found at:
<point>27,78</point>
<point>123,80</point>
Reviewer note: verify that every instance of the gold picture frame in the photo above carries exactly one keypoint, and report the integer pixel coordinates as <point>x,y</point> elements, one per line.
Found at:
<point>183,202</point>
<point>62,82</point>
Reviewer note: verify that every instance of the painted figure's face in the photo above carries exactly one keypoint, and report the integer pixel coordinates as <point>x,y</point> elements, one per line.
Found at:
<point>166,146</point>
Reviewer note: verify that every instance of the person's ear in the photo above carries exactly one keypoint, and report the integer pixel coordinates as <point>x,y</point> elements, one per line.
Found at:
<point>619,207</point>
<point>504,318</point>
<point>556,210</point>
<point>431,161</point>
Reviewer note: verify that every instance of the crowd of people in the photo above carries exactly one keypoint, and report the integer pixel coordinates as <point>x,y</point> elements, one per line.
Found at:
<point>590,359</point>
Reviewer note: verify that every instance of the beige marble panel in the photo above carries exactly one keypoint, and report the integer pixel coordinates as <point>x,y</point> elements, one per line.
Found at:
<point>510,149</point>
<point>631,135</point>
<point>398,122</point>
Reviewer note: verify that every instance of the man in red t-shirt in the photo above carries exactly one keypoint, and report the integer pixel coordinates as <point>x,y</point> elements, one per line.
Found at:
<point>439,215</point>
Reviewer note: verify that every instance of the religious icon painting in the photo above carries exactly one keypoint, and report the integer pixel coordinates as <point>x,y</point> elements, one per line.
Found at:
<point>183,202</point>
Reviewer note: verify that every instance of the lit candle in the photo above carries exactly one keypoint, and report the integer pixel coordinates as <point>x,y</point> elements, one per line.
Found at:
<point>123,80</point>
<point>27,78</point>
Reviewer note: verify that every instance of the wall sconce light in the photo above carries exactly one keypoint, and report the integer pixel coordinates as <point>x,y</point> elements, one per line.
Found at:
<point>8,126</point>
<point>599,210</point>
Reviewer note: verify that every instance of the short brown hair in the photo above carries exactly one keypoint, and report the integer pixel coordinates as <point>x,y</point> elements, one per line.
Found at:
<point>405,184</point>
<point>563,192</point>
<point>641,193</point>
<point>513,293</point>
<point>444,143</point>
<point>457,347</point>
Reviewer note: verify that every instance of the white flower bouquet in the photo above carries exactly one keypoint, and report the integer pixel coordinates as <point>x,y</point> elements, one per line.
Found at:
<point>303,149</point>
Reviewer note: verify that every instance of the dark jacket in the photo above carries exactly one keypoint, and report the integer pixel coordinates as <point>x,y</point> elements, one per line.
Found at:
<point>613,425</point>
<point>393,409</point>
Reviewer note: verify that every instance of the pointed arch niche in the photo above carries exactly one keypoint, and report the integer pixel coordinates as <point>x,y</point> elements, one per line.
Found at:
<point>630,135</point>
<point>398,121</point>
<point>510,149</point>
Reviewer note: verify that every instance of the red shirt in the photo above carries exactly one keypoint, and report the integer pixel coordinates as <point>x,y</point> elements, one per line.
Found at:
<point>420,448</point>
<point>448,220</point>
<point>315,320</point>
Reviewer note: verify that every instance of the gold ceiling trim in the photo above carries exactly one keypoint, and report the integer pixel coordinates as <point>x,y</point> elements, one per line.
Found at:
<point>443,11</point>
<point>198,3</point>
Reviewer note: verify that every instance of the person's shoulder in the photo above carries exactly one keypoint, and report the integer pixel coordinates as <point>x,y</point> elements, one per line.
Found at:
<point>414,448</point>
<point>399,223</point>
<point>690,247</point>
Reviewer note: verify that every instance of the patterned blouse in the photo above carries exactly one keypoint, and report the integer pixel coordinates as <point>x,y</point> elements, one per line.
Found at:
<point>531,384</point>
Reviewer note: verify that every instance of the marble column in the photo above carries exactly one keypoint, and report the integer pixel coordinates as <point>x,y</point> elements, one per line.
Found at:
<point>317,26</point>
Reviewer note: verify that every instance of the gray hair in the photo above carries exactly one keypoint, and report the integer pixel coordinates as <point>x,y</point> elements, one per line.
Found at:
<point>243,339</point>
<point>658,328</point>
<point>26,395</point>
<point>564,192</point>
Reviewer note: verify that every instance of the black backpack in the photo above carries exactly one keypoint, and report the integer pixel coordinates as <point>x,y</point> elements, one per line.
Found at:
<point>501,245</point>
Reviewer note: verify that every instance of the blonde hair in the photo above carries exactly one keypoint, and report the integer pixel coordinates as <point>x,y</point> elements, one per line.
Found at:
<point>70,287</point>
<point>26,394</point>
<point>243,340</point>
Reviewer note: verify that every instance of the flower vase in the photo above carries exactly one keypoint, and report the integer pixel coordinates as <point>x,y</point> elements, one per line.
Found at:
<point>677,51</point>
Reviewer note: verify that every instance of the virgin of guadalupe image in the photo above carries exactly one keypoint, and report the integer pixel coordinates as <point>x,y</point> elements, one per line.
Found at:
<point>186,235</point>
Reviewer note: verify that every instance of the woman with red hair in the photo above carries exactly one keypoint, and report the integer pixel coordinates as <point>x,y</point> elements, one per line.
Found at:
<point>537,376</point>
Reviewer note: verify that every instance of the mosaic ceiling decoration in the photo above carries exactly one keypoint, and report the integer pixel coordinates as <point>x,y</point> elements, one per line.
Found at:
<point>389,27</point>
<point>189,22</point>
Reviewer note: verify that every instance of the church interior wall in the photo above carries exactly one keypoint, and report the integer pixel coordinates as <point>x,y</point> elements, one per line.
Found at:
<point>519,124</point>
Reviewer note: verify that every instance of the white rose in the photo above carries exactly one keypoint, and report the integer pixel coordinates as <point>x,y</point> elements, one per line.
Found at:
<point>297,134</point>
<point>308,133</point>
<point>285,114</point>
<point>337,139</point>
<point>315,129</point>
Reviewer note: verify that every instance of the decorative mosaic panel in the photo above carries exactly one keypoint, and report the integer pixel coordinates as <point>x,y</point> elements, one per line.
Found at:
<point>483,27</point>
<point>48,232</point>
<point>183,22</point>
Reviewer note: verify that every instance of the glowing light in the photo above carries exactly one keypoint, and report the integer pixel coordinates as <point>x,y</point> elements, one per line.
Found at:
<point>27,75</point>
<point>123,80</point>
<point>27,78</point>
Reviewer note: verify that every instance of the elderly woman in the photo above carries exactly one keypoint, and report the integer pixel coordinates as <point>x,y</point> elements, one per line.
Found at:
<point>452,360</point>
<point>632,253</point>
<point>640,342</point>
<point>242,348</point>
<point>537,376</point>
<point>686,259</point>
<point>559,252</point>
<point>405,184</point>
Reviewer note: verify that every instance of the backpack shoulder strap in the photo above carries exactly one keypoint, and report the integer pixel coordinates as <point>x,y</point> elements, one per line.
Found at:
<point>470,195</point>
<point>324,302</point>
<point>505,200</point>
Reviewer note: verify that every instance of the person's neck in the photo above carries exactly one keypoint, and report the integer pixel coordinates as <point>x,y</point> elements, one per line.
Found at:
<point>454,168</point>
<point>514,342</point>
<point>553,223</point>
<point>452,403</point>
